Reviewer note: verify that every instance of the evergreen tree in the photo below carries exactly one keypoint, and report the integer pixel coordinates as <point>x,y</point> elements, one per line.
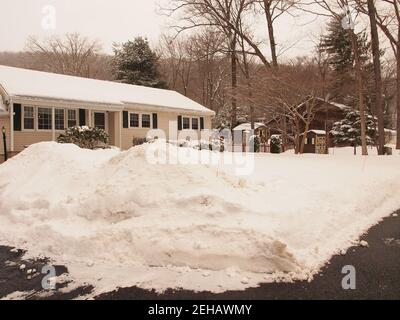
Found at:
<point>136,63</point>
<point>348,130</point>
<point>338,45</point>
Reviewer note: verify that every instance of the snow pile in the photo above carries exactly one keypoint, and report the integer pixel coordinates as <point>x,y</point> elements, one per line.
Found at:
<point>116,219</point>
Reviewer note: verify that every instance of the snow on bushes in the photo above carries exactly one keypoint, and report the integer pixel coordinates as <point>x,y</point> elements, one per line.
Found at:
<point>116,220</point>
<point>84,137</point>
<point>276,143</point>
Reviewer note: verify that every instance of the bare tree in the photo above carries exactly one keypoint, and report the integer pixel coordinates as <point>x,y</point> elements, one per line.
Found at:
<point>368,7</point>
<point>72,54</point>
<point>197,67</point>
<point>288,96</point>
<point>388,20</point>
<point>273,9</point>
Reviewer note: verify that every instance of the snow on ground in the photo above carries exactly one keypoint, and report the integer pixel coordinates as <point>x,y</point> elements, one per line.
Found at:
<point>116,219</point>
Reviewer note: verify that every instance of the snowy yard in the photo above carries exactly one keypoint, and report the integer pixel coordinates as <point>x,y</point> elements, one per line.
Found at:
<point>116,220</point>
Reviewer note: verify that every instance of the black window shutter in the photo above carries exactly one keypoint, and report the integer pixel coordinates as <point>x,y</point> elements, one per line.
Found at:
<point>17,117</point>
<point>82,117</point>
<point>201,123</point>
<point>125,121</point>
<point>179,123</point>
<point>155,121</point>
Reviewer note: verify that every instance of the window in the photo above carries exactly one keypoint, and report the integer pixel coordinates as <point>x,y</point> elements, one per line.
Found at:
<point>72,119</point>
<point>29,118</point>
<point>309,141</point>
<point>134,120</point>
<point>186,123</point>
<point>100,120</point>
<point>195,124</point>
<point>146,121</point>
<point>59,119</point>
<point>44,118</point>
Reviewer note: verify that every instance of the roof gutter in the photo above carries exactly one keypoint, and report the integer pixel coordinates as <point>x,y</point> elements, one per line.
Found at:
<point>150,107</point>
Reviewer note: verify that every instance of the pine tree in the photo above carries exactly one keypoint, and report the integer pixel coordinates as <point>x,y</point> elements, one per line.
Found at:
<point>348,130</point>
<point>337,43</point>
<point>136,63</point>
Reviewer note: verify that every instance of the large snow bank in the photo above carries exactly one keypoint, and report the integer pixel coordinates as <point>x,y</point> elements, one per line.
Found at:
<point>116,220</point>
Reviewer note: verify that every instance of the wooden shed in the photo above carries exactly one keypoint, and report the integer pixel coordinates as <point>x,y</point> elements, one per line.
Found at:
<point>315,142</point>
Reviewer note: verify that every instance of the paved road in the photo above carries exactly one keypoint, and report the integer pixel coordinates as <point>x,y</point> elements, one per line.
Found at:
<point>377,266</point>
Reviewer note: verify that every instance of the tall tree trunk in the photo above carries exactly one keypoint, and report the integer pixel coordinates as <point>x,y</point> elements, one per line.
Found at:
<point>234,83</point>
<point>357,61</point>
<point>267,8</point>
<point>398,92</point>
<point>378,76</point>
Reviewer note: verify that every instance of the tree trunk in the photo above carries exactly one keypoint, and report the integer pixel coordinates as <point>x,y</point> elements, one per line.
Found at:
<point>398,92</point>
<point>360,91</point>
<point>378,76</point>
<point>267,5</point>
<point>234,84</point>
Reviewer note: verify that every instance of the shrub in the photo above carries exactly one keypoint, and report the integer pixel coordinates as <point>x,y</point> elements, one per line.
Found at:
<point>140,141</point>
<point>276,143</point>
<point>84,137</point>
<point>255,143</point>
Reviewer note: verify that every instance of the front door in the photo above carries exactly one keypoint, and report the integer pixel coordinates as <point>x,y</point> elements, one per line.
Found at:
<point>100,120</point>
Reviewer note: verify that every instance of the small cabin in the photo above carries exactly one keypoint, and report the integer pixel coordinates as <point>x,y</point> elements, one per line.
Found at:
<point>315,142</point>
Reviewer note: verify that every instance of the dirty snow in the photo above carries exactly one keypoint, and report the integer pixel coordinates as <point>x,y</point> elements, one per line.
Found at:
<point>117,220</point>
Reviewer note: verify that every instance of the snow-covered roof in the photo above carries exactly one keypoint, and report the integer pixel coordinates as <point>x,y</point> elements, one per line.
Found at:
<point>339,105</point>
<point>319,132</point>
<point>28,83</point>
<point>333,103</point>
<point>247,126</point>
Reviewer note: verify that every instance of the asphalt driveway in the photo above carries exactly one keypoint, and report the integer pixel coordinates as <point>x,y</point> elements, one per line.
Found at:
<point>377,276</point>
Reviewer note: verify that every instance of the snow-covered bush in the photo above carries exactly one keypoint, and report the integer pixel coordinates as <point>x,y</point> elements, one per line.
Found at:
<point>347,132</point>
<point>276,144</point>
<point>213,145</point>
<point>84,137</point>
<point>255,143</point>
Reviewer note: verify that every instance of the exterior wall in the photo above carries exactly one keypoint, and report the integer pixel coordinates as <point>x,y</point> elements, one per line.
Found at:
<point>4,121</point>
<point>23,139</point>
<point>164,120</point>
<point>119,136</point>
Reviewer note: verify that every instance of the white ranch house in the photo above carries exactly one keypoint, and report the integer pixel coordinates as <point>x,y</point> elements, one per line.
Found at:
<point>38,106</point>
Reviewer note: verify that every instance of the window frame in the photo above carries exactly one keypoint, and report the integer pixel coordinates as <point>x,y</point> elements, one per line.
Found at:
<point>191,118</point>
<point>51,119</point>
<point>198,123</point>
<point>140,114</point>
<point>183,123</point>
<point>67,117</point>
<point>150,121</point>
<point>23,118</point>
<point>64,118</point>
<point>138,120</point>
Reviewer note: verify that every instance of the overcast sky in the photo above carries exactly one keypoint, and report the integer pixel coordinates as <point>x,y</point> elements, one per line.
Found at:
<point>119,20</point>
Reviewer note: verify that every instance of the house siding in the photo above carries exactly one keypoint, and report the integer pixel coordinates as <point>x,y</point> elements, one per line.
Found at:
<point>23,139</point>
<point>119,136</point>
<point>164,120</point>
